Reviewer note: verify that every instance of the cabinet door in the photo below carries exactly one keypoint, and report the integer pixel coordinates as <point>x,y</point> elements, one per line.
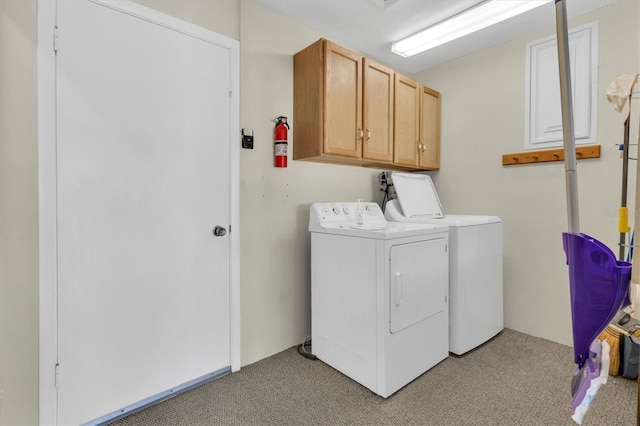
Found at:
<point>430,129</point>
<point>407,124</point>
<point>378,112</point>
<point>343,102</point>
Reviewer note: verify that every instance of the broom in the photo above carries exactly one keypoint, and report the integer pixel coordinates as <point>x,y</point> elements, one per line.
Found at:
<point>612,336</point>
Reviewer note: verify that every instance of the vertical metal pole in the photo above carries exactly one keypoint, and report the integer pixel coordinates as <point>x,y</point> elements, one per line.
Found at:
<point>625,173</point>
<point>571,176</point>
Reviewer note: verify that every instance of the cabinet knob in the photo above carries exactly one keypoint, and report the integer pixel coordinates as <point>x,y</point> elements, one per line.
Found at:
<point>360,133</point>
<point>368,134</point>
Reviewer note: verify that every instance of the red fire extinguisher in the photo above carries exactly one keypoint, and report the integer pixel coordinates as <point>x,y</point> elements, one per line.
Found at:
<point>281,137</point>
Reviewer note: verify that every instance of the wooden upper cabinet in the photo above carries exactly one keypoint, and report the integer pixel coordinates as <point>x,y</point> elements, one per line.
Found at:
<point>407,122</point>
<point>378,112</point>
<point>348,109</point>
<point>430,129</point>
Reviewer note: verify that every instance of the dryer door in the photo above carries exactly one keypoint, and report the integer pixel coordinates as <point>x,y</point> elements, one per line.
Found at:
<point>418,282</point>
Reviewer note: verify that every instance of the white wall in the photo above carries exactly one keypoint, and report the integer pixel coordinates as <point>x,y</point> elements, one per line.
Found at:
<point>274,203</point>
<point>18,214</point>
<point>483,118</point>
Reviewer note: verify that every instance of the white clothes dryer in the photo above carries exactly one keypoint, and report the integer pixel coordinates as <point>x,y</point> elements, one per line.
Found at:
<point>476,312</point>
<point>379,295</point>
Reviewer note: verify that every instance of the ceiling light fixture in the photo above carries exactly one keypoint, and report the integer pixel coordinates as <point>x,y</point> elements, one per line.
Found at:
<point>484,15</point>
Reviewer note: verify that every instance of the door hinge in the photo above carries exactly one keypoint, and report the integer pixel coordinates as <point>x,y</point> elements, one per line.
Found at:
<point>229,228</point>
<point>57,375</point>
<point>56,36</point>
<point>446,248</point>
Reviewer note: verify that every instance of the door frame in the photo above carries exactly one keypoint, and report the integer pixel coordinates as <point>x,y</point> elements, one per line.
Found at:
<point>47,187</point>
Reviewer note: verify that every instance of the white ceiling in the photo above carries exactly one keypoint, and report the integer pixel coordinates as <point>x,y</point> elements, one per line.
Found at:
<point>370,26</point>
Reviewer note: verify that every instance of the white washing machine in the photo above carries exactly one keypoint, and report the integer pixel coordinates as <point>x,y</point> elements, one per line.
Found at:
<point>379,295</point>
<point>476,311</point>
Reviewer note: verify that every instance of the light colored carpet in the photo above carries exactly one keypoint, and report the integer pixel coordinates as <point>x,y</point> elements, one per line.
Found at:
<point>514,379</point>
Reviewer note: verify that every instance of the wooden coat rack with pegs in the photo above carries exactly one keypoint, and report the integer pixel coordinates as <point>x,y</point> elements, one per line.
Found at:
<point>547,155</point>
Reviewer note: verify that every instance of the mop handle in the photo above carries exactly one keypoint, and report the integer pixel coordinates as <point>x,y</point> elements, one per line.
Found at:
<point>571,174</point>
<point>623,213</point>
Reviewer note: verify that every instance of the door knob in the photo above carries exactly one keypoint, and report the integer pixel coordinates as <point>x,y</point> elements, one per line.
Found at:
<point>219,231</point>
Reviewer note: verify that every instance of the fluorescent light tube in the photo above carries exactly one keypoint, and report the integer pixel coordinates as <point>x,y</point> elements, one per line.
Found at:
<point>484,15</point>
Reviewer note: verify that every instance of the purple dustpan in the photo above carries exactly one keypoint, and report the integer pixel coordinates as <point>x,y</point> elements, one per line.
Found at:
<point>599,287</point>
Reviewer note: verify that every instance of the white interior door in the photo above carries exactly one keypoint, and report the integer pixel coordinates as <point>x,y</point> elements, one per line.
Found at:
<point>143,122</point>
